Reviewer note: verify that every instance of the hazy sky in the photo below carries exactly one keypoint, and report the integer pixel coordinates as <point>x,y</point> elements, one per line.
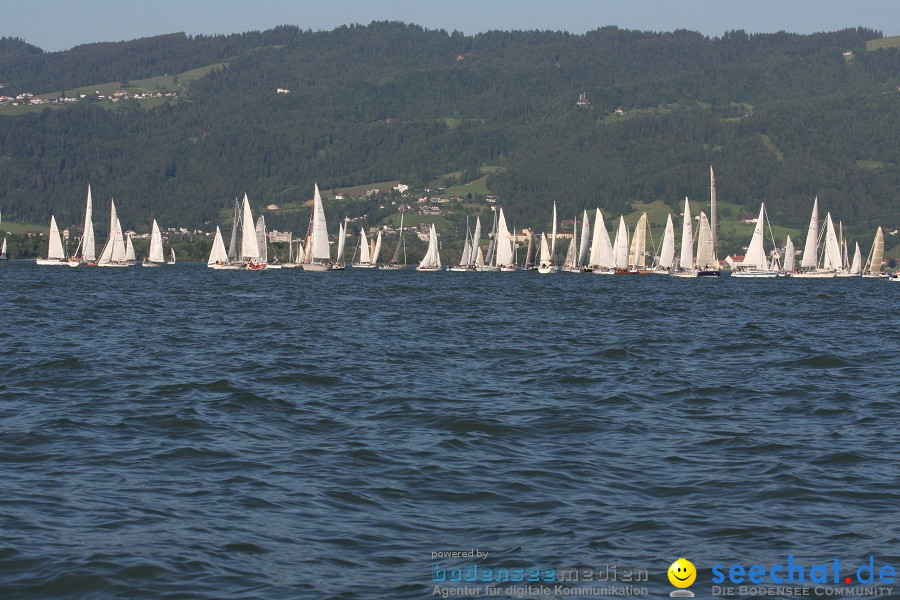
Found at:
<point>61,24</point>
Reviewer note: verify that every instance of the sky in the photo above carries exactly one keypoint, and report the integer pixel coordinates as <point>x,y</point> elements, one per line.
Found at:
<point>60,24</point>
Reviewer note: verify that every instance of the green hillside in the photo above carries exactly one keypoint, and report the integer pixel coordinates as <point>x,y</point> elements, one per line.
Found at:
<point>782,117</point>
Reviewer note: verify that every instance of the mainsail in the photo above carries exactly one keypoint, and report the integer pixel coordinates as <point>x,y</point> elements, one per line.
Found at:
<point>216,255</point>
<point>810,257</point>
<point>156,245</point>
<point>667,248</point>
<point>687,240</point>
<point>55,248</point>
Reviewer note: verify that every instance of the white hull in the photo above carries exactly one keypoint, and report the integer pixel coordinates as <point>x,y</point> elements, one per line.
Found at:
<point>875,275</point>
<point>462,269</point>
<point>52,262</point>
<point>428,269</point>
<point>489,269</point>
<point>290,266</point>
<point>754,274</point>
<point>392,267</point>
<point>316,267</point>
<point>363,266</point>
<point>895,277</point>
<point>228,267</point>
<point>149,264</point>
<point>550,269</point>
<point>508,268</point>
<point>814,275</point>
<point>113,264</point>
<point>684,274</point>
<point>844,274</point>
<point>603,271</point>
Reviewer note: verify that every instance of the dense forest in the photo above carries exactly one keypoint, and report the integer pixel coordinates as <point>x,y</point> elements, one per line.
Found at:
<point>782,117</point>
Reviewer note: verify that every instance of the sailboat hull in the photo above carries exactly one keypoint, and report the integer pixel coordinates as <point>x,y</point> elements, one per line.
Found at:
<point>814,275</point>
<point>755,274</point>
<point>51,262</point>
<point>316,267</point>
<point>392,267</point>
<point>428,269</point>
<point>149,264</point>
<point>363,266</point>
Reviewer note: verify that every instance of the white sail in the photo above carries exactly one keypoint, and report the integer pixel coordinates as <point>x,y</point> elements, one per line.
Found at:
<point>810,256</point>
<point>479,258</point>
<point>364,256</point>
<point>756,253</point>
<point>342,236</point>
<point>705,255</point>
<point>55,247</point>
<point>156,245</point>
<point>545,250</point>
<point>553,236</point>
<point>585,235</point>
<point>571,260</point>
<point>636,257</point>
<point>856,265</point>
<point>377,250</point>
<point>789,255</point>
<point>873,265</point>
<point>621,245</point>
<point>476,240</point>
<point>129,249</point>
<point>504,242</point>
<point>249,244</point>
<point>88,244</point>
<point>218,253</point>
<point>110,250</point>
<point>261,239</point>
<point>3,250</point>
<point>687,239</point>
<point>594,254</point>
<point>432,258</point>
<point>667,248</point>
<point>172,256</point>
<point>466,257</point>
<point>232,243</point>
<point>319,236</point>
<point>832,258</point>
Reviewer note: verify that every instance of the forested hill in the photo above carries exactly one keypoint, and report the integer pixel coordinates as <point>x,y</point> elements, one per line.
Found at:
<point>782,118</point>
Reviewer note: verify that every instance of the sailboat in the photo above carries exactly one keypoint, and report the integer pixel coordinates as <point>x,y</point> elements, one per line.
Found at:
<point>129,251</point>
<point>546,265</point>
<point>585,240</point>
<point>876,256</point>
<point>318,254</point>
<point>113,254</point>
<point>620,248</point>
<point>55,253</point>
<point>365,258</point>
<point>570,263</point>
<point>432,259</point>
<point>4,258</point>
<point>809,263</point>
<point>395,264</point>
<point>531,253</point>
<point>262,241</point>
<point>218,257</point>
<point>637,256</point>
<point>707,264</point>
<point>377,250</point>
<point>467,256</point>
<point>342,239</point>
<point>156,258</point>
<point>505,260</point>
<point>755,263</point>
<point>602,260</point>
<point>666,258</point>
<point>686,260</point>
<point>171,256</point>
<point>788,270</point>
<point>87,248</point>
<point>490,261</point>
<point>851,268</point>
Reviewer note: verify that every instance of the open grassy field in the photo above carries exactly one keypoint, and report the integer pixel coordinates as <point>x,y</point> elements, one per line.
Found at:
<point>887,42</point>
<point>20,228</point>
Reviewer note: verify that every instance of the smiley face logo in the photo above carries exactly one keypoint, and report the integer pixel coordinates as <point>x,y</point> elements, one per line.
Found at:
<point>682,573</point>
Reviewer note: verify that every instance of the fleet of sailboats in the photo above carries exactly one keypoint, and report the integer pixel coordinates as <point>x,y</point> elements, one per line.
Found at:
<point>826,251</point>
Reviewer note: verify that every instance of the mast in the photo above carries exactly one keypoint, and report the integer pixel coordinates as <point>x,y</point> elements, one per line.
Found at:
<point>553,239</point>
<point>687,242</point>
<point>712,216</point>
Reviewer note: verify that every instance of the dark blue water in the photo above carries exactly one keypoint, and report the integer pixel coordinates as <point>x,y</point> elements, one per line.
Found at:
<point>186,433</point>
